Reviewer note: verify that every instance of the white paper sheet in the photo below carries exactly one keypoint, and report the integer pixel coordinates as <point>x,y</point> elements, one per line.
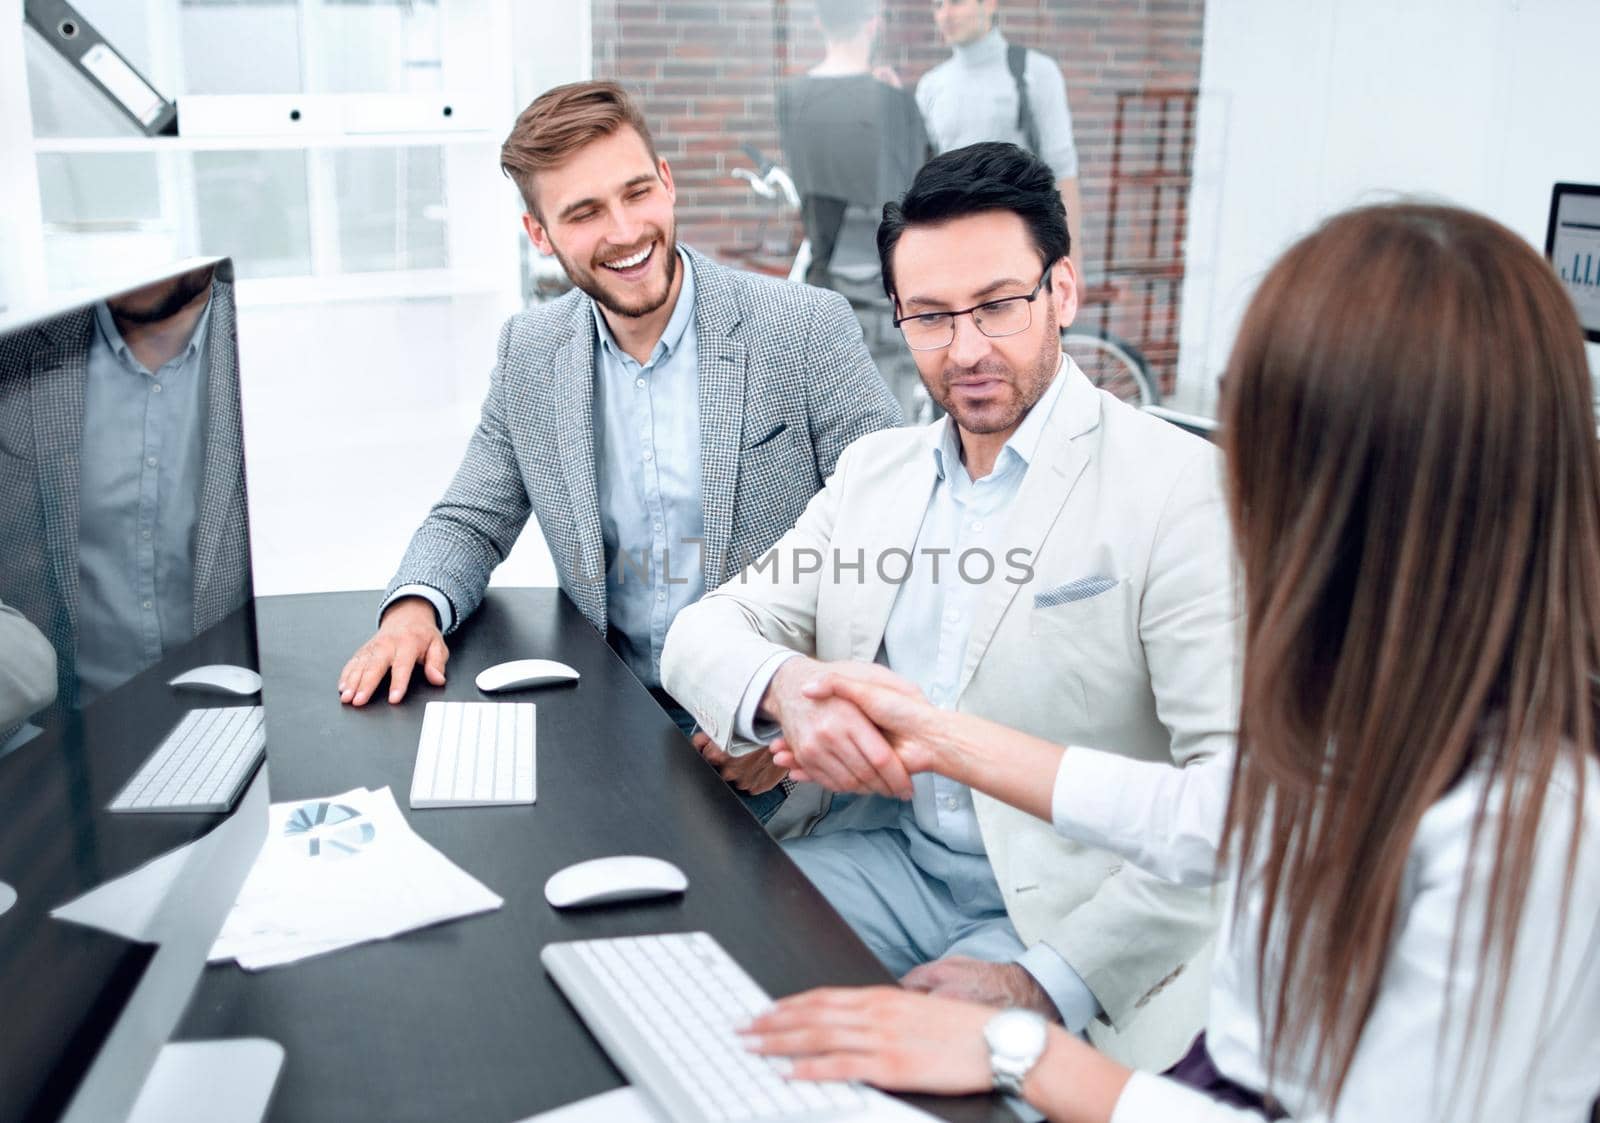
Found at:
<point>127,906</point>
<point>628,1105</point>
<point>156,901</point>
<point>620,1105</point>
<point>341,871</point>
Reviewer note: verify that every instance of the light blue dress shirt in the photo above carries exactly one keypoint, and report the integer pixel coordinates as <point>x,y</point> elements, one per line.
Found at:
<point>142,465</point>
<point>925,640</point>
<point>647,474</point>
<point>647,460</point>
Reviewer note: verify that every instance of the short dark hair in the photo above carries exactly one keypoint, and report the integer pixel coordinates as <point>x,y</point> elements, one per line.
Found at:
<point>991,176</point>
<point>840,18</point>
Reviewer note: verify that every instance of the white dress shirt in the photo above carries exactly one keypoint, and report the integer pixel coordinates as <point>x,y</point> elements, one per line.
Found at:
<point>1544,1063</point>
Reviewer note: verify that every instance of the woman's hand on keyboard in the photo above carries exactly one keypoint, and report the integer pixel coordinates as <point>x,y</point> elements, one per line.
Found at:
<point>886,1036</point>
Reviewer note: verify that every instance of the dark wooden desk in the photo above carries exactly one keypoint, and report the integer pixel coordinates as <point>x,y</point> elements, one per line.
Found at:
<point>460,1022</point>
<point>62,987</point>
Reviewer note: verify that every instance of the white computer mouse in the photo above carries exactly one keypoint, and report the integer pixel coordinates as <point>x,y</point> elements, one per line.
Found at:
<point>8,897</point>
<point>623,877</point>
<point>219,678</point>
<point>521,673</point>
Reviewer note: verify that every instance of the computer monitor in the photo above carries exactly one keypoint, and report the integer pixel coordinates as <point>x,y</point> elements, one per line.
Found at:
<point>1572,245</point>
<point>126,561</point>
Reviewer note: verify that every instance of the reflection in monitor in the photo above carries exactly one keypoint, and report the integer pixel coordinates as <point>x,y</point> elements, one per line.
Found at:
<point>125,540</point>
<point>1572,245</point>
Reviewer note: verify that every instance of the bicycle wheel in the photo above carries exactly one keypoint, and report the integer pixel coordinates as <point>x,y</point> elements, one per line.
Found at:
<point>1113,365</point>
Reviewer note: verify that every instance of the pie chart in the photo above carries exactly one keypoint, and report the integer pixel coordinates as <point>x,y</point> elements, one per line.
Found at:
<point>328,830</point>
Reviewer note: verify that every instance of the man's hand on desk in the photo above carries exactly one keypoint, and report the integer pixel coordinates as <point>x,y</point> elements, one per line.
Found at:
<point>829,741</point>
<point>408,634</point>
<point>974,980</point>
<point>752,773</point>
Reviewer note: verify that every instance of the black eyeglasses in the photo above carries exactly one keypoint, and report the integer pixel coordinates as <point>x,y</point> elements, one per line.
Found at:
<point>1011,315</point>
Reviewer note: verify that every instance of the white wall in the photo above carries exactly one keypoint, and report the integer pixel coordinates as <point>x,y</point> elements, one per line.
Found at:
<point>357,412</point>
<point>360,392</point>
<point>1314,106</point>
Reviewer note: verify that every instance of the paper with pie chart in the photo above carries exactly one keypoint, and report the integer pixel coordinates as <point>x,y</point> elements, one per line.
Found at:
<point>339,871</point>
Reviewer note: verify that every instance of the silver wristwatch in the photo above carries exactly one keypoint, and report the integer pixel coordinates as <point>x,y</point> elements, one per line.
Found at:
<point>1016,1040</point>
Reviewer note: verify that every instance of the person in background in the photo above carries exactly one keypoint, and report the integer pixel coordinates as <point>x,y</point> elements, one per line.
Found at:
<point>129,535</point>
<point>852,140</point>
<point>989,89</point>
<point>665,420</point>
<point>1044,554</point>
<point>1409,831</point>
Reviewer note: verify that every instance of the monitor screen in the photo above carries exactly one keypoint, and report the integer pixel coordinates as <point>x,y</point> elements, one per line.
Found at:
<point>1572,244</point>
<point>124,564</point>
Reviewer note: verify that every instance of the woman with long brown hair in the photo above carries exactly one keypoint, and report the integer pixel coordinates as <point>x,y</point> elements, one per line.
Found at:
<point>1409,831</point>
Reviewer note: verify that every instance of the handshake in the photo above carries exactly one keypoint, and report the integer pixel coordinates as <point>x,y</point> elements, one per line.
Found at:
<point>851,727</point>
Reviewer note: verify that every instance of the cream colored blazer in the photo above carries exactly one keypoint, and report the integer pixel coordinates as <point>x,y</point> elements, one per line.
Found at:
<point>1146,664</point>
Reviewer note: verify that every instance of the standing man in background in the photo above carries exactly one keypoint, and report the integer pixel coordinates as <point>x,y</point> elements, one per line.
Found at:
<point>990,89</point>
<point>853,140</point>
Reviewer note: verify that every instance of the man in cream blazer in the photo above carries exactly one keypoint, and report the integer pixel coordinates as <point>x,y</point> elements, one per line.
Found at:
<point>1045,556</point>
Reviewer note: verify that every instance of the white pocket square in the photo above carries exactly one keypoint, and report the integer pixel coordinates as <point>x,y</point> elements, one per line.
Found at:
<point>1081,589</point>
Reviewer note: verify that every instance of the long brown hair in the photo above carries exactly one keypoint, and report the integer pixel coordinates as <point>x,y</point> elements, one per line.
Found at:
<point>1414,484</point>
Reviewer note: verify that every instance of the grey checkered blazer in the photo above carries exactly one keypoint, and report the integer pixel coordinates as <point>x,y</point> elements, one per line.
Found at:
<point>785,384</point>
<point>42,374</point>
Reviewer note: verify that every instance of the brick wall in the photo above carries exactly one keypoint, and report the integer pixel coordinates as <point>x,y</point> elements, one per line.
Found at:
<point>705,72</point>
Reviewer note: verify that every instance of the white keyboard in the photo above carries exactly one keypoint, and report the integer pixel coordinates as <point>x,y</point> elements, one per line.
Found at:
<point>201,766</point>
<point>475,754</point>
<point>666,1007</point>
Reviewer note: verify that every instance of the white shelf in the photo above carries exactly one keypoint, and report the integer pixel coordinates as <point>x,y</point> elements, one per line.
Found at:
<point>265,142</point>
<point>410,284</point>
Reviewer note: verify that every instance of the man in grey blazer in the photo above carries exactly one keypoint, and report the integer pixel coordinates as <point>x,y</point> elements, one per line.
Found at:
<point>666,421</point>
<point>122,504</point>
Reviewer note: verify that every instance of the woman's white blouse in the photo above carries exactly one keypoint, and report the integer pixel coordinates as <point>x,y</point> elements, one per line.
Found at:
<point>1543,1064</point>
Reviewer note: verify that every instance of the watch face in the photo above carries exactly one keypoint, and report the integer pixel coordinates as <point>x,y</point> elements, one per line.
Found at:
<point>1016,1033</point>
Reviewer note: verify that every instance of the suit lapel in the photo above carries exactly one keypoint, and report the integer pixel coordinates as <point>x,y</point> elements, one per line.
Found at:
<point>1057,465</point>
<point>574,407</point>
<point>905,507</point>
<point>722,360</point>
<point>60,370</point>
<point>224,455</point>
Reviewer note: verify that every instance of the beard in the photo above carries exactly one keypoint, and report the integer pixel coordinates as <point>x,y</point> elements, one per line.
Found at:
<point>162,301</point>
<point>1020,390</point>
<point>593,281</point>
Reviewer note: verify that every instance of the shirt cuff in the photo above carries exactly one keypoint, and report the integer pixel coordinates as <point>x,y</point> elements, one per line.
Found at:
<point>441,603</point>
<point>745,721</point>
<point>1147,1098</point>
<point>1073,999</point>
<point>1085,798</point>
